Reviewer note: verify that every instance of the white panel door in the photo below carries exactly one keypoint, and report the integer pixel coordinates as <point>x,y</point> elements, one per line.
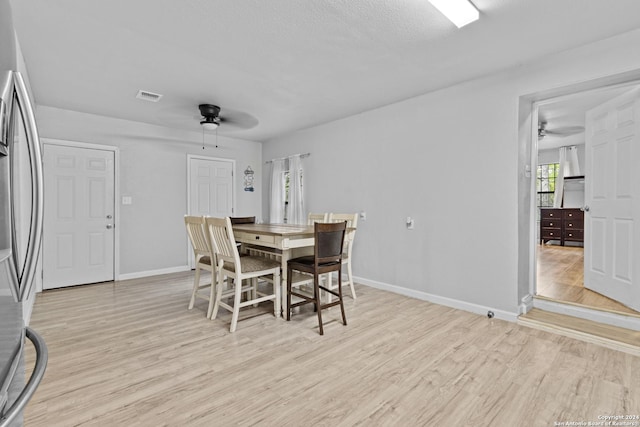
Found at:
<point>78,243</point>
<point>612,197</point>
<point>211,187</point>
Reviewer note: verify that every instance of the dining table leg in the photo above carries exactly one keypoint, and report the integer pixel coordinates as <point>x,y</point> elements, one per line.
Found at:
<point>286,254</point>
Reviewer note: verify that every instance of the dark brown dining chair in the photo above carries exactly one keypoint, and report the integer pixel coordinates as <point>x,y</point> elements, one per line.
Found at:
<point>326,258</point>
<point>243,220</point>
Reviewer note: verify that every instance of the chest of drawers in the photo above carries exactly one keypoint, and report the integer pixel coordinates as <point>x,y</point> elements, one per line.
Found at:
<point>561,224</point>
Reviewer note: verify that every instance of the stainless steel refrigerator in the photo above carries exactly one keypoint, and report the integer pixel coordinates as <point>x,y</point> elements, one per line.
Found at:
<point>20,229</point>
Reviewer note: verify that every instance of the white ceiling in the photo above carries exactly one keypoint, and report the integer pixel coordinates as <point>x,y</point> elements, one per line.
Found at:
<point>564,115</point>
<point>289,64</point>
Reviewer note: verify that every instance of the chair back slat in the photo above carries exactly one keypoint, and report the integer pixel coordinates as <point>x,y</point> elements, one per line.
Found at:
<point>312,218</point>
<point>352,224</point>
<point>197,236</point>
<point>223,241</point>
<point>329,239</point>
<point>352,219</point>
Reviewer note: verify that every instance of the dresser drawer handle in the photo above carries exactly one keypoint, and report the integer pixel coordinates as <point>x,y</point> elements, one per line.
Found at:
<point>257,237</point>
<point>570,225</point>
<point>570,235</point>
<point>550,224</point>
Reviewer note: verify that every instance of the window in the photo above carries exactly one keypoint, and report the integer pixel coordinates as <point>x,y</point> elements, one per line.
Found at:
<point>546,184</point>
<point>286,194</point>
<point>286,191</point>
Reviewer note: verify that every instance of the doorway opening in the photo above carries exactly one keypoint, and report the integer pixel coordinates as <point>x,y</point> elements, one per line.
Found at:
<point>559,242</point>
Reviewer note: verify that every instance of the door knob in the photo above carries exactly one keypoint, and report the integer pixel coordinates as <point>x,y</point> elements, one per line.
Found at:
<point>109,226</point>
<point>109,216</point>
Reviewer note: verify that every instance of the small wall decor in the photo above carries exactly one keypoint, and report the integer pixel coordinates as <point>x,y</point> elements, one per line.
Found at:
<point>248,179</point>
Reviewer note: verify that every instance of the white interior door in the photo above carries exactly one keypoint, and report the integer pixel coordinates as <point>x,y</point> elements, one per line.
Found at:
<point>211,187</point>
<point>78,243</point>
<point>612,196</point>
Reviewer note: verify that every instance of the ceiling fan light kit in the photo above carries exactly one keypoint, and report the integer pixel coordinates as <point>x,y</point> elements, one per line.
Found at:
<point>210,113</point>
<point>460,12</point>
<point>209,124</point>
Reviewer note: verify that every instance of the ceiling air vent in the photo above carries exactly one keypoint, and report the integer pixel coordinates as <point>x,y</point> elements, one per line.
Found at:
<point>148,96</point>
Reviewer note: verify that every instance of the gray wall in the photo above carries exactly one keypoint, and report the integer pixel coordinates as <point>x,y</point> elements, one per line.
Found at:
<point>153,171</point>
<point>454,160</point>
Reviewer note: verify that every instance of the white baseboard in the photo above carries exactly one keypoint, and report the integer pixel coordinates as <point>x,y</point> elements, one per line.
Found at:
<point>608,318</point>
<point>148,273</point>
<point>436,299</point>
<point>526,303</point>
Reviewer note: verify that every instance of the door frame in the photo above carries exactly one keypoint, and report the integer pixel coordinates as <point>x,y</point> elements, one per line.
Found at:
<point>116,195</point>
<point>528,165</point>
<point>190,259</point>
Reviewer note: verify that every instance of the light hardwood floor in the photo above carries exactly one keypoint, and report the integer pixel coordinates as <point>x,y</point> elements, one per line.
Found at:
<point>131,354</point>
<point>560,276</point>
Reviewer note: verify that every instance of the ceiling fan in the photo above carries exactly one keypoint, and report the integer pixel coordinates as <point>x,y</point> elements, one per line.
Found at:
<point>543,130</point>
<point>212,118</point>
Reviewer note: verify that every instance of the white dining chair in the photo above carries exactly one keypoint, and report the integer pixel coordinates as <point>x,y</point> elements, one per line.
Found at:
<point>204,260</point>
<point>349,236</point>
<point>232,265</point>
<point>312,218</point>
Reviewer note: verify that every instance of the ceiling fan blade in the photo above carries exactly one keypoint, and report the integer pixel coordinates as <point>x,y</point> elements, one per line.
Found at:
<point>184,115</point>
<point>565,131</point>
<point>237,119</point>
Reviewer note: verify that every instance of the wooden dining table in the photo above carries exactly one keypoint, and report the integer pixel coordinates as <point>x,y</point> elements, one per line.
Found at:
<point>287,240</point>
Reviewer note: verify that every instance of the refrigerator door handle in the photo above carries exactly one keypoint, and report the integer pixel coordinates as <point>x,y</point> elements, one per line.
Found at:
<point>6,93</point>
<point>42,357</point>
<point>37,213</point>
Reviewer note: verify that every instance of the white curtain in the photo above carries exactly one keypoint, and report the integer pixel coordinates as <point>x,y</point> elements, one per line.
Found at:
<point>572,167</point>
<point>569,166</point>
<point>295,207</point>
<point>276,207</point>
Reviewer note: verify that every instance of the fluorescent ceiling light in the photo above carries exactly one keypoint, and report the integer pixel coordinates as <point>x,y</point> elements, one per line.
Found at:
<point>460,12</point>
